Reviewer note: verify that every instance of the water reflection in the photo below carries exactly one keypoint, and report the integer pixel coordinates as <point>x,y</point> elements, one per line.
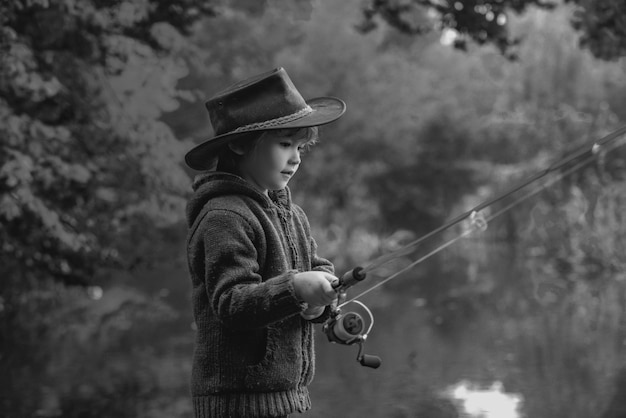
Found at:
<point>455,332</point>
<point>473,401</point>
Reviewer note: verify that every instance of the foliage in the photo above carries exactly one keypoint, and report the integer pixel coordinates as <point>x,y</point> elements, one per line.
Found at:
<point>84,151</point>
<point>603,27</point>
<point>482,21</point>
<point>100,354</point>
<point>84,161</point>
<point>601,23</point>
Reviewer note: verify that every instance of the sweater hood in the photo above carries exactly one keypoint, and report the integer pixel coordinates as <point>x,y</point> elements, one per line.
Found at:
<point>214,184</point>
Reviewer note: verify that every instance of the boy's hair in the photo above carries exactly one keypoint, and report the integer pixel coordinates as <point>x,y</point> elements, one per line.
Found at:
<point>228,160</point>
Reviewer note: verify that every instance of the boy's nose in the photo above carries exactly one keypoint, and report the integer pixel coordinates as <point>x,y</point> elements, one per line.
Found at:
<point>295,157</point>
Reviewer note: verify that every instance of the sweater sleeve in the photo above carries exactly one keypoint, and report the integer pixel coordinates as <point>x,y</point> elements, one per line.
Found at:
<point>236,291</point>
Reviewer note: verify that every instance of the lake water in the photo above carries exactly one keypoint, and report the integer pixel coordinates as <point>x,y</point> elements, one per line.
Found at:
<point>503,339</point>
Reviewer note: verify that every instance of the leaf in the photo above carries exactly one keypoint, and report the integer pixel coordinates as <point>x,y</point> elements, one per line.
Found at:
<point>9,208</point>
<point>168,37</point>
<point>108,194</point>
<point>129,13</point>
<point>78,173</point>
<point>18,170</point>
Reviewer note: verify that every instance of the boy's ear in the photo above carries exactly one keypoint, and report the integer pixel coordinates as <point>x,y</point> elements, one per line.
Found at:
<point>236,147</point>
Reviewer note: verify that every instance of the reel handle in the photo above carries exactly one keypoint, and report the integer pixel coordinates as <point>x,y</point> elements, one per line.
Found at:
<point>370,361</point>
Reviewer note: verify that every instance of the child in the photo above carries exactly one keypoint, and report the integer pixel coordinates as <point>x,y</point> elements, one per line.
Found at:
<point>258,282</point>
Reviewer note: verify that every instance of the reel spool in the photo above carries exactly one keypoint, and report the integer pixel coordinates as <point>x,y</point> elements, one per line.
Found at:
<point>348,329</point>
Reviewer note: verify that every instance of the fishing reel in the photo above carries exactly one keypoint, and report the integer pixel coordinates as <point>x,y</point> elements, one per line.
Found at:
<point>349,328</point>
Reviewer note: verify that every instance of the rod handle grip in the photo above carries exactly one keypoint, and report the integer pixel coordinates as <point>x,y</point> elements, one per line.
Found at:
<point>350,278</point>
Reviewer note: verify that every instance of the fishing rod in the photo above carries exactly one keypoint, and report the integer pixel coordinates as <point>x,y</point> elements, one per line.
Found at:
<point>347,329</point>
<point>586,148</point>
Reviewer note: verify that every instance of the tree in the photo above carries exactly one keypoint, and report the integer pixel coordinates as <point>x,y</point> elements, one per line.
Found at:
<point>82,87</point>
<point>600,23</point>
<point>481,21</point>
<point>88,171</point>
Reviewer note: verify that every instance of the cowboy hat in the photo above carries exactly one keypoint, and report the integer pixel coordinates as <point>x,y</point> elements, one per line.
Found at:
<point>264,102</point>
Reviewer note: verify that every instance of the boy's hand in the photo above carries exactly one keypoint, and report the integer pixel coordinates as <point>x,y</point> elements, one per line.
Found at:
<point>314,287</point>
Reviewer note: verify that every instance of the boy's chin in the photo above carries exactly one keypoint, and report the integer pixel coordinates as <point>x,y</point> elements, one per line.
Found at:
<point>279,186</point>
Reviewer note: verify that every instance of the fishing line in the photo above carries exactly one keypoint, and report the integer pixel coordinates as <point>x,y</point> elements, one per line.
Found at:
<point>479,222</point>
<point>410,266</point>
<point>577,153</point>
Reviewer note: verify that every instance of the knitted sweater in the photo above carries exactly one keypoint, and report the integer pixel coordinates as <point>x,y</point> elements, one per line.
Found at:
<point>253,355</point>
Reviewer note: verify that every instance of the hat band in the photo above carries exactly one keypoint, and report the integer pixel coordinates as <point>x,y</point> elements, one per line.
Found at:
<point>272,123</point>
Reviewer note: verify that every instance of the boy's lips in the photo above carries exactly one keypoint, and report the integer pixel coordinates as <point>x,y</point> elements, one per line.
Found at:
<point>288,172</point>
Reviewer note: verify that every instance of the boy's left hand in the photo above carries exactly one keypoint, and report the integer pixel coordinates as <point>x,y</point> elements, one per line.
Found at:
<point>314,287</point>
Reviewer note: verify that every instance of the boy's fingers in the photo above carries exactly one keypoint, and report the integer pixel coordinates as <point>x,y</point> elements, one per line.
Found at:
<point>331,296</point>
<point>328,287</point>
<point>331,279</point>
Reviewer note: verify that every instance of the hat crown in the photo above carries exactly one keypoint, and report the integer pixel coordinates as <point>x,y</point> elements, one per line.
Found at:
<point>256,100</point>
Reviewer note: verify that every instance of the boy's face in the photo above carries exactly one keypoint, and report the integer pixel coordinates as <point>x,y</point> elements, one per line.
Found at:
<point>275,159</point>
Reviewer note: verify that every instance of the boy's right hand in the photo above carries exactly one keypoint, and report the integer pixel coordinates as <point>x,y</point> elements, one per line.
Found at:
<point>314,287</point>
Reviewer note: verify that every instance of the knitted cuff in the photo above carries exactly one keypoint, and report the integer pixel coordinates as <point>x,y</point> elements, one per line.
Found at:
<point>312,312</point>
<point>323,317</point>
<point>284,294</point>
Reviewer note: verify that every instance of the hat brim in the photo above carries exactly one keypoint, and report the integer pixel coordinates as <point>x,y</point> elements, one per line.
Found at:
<point>325,110</point>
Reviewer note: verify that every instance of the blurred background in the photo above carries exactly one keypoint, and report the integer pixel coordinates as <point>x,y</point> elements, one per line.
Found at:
<point>449,103</point>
